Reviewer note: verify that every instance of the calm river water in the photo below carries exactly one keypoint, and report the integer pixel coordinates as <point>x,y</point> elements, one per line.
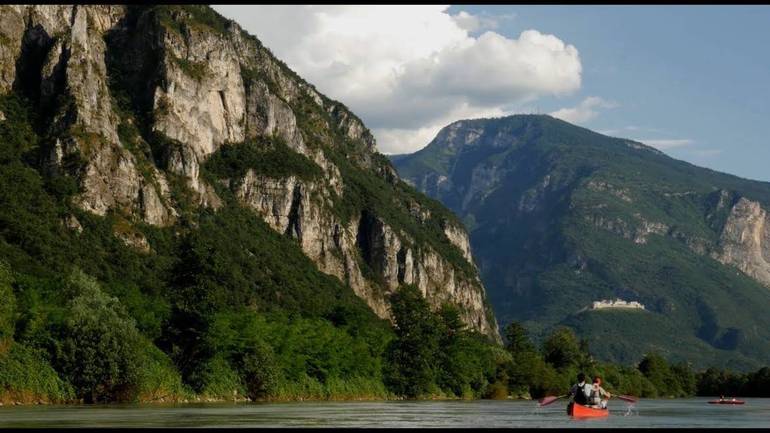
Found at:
<point>647,413</point>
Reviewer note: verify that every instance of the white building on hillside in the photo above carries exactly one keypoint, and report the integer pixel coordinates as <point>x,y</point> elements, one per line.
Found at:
<point>617,303</point>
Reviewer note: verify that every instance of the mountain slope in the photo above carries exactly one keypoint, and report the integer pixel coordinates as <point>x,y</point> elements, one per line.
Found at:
<point>560,217</point>
<point>132,101</point>
<point>207,188</point>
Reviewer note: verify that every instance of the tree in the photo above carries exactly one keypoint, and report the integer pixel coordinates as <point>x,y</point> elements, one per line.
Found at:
<point>527,371</point>
<point>466,361</point>
<point>759,383</point>
<point>100,349</point>
<point>685,378</point>
<point>655,368</point>
<point>258,369</point>
<point>238,339</point>
<point>410,358</point>
<point>517,339</point>
<point>561,349</point>
<point>7,305</point>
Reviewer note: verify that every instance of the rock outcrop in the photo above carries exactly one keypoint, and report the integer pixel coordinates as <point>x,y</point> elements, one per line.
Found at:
<point>745,240</point>
<point>59,54</point>
<point>339,249</point>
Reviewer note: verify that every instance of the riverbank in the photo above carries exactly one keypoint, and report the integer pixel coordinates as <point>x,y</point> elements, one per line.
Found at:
<point>29,399</point>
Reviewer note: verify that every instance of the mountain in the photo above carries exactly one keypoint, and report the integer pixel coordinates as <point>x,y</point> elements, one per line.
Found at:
<point>561,217</point>
<point>167,154</point>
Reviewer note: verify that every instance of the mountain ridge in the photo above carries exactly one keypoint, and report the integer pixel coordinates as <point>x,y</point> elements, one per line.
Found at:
<point>550,206</point>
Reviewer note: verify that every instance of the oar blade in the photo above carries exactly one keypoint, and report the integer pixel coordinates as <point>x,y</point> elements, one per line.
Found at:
<point>545,401</point>
<point>628,398</point>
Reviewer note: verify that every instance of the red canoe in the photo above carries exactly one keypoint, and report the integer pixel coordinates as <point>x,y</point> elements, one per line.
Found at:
<point>580,411</point>
<point>726,401</point>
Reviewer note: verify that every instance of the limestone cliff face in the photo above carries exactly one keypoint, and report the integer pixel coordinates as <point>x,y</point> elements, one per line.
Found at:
<point>136,98</point>
<point>55,54</point>
<point>745,240</point>
<point>301,209</point>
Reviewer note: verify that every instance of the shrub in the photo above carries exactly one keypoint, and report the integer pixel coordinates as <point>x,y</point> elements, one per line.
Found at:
<point>100,345</point>
<point>26,376</point>
<point>7,305</point>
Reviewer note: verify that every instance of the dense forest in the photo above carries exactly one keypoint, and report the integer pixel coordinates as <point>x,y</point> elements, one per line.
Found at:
<point>95,353</point>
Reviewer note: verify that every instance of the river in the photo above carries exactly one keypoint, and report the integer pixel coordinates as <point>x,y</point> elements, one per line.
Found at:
<point>694,412</point>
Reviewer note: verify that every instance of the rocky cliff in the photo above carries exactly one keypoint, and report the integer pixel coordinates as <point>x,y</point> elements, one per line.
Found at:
<point>133,102</point>
<point>560,217</point>
<point>745,240</point>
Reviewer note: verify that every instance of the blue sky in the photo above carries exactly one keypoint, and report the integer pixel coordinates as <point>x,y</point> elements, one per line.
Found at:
<point>699,73</point>
<point>692,81</point>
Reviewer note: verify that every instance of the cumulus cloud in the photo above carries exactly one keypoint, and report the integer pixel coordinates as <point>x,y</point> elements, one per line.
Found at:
<point>407,70</point>
<point>586,110</point>
<point>407,140</point>
<point>473,23</point>
<point>476,23</point>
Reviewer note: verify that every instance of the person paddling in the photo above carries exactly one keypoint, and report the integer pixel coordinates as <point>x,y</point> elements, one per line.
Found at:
<point>598,394</point>
<point>580,391</point>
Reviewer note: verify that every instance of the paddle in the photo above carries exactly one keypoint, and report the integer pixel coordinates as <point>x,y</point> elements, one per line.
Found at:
<point>627,398</point>
<point>545,401</point>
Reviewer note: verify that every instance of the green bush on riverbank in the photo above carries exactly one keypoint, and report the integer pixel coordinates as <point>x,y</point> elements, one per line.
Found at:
<point>26,377</point>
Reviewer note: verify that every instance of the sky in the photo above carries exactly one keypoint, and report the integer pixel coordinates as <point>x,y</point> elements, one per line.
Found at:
<point>692,81</point>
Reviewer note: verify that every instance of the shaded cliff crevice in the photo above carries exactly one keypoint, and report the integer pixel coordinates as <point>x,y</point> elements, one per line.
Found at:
<point>36,45</point>
<point>401,260</point>
<point>369,241</point>
<point>294,226</point>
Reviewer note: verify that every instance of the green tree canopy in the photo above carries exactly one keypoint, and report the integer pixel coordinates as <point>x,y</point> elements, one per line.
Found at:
<point>410,357</point>
<point>100,349</point>
<point>562,349</point>
<point>517,339</point>
<point>7,304</point>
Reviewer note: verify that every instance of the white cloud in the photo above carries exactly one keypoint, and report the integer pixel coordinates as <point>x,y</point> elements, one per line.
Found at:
<point>618,131</point>
<point>476,23</point>
<point>473,23</point>
<point>409,69</point>
<point>586,110</point>
<point>406,140</point>
<point>663,144</point>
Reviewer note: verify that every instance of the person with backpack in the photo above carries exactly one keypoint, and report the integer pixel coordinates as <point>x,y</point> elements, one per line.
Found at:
<point>581,391</point>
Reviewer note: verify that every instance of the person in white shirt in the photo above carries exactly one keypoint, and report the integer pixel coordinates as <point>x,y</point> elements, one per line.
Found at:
<point>581,390</point>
